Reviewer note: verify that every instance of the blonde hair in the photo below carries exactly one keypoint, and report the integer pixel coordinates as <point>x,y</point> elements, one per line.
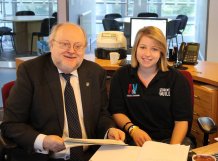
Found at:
<point>56,27</point>
<point>157,35</point>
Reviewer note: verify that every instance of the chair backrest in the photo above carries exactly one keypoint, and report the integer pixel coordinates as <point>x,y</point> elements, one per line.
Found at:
<point>55,15</point>
<point>190,81</point>
<point>147,14</point>
<point>188,76</point>
<point>110,25</point>
<point>6,91</point>
<point>113,15</point>
<point>184,20</point>
<point>25,13</point>
<point>47,24</point>
<point>5,30</point>
<point>172,28</point>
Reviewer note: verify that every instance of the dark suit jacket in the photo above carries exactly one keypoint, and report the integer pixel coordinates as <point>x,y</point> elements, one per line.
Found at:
<point>35,104</point>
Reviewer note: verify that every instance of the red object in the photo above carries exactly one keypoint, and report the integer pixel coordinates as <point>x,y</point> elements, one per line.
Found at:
<point>5,91</point>
<point>190,80</point>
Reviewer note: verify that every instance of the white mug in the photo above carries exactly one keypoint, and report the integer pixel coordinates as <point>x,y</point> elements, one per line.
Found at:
<point>114,57</point>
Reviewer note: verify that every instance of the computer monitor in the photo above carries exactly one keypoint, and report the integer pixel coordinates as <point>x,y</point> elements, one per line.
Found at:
<point>140,22</point>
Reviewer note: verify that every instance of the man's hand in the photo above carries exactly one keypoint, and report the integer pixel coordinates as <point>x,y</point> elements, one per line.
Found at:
<point>116,134</point>
<point>53,143</point>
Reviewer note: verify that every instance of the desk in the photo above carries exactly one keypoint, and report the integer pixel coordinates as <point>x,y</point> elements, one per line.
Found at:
<point>23,27</point>
<point>209,149</point>
<point>205,89</point>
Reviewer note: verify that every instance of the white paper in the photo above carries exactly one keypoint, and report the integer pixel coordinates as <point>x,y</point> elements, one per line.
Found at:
<point>116,153</point>
<point>151,151</point>
<point>216,139</point>
<point>156,151</point>
<point>73,142</point>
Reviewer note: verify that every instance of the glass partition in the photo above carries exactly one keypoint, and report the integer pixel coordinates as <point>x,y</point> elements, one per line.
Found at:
<point>24,27</point>
<point>164,8</point>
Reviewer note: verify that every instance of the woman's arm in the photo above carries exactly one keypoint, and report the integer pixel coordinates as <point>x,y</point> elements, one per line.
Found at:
<point>139,136</point>
<point>122,120</point>
<point>179,132</point>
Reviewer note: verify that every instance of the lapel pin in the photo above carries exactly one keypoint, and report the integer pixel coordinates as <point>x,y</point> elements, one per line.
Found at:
<point>87,84</point>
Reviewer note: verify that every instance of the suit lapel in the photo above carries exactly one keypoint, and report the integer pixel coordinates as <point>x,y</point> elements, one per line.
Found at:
<point>53,78</point>
<point>86,81</point>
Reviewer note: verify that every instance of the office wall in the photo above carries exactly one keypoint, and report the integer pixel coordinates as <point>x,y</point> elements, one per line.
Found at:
<point>212,37</point>
<point>201,27</point>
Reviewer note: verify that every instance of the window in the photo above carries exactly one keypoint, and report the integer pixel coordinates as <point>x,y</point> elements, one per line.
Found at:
<point>164,8</point>
<point>40,7</point>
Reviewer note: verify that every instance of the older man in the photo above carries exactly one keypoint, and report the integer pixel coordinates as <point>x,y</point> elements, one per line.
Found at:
<point>58,95</point>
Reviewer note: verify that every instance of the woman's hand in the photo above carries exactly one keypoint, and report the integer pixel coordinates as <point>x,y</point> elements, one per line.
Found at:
<point>139,136</point>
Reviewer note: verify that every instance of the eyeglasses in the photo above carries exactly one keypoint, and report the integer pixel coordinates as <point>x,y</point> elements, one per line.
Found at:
<point>66,45</point>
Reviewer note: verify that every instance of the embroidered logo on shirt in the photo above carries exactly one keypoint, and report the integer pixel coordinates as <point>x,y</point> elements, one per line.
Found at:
<point>132,89</point>
<point>164,91</point>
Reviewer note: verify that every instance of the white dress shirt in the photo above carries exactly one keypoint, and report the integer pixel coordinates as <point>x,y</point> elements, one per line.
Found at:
<point>65,154</point>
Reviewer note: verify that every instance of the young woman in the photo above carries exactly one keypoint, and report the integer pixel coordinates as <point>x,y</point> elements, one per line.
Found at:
<point>148,99</point>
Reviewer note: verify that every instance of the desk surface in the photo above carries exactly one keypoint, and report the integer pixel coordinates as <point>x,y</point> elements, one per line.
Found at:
<point>23,18</point>
<point>209,149</point>
<point>123,19</point>
<point>127,19</point>
<point>204,71</point>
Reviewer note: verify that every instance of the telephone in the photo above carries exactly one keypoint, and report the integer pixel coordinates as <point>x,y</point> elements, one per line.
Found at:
<point>188,53</point>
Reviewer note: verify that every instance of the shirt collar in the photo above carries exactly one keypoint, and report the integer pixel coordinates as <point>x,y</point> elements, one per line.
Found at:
<point>158,76</point>
<point>74,73</point>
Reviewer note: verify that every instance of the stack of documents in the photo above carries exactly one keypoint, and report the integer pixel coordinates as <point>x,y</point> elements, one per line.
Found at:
<point>73,142</point>
<point>150,151</point>
<point>156,151</point>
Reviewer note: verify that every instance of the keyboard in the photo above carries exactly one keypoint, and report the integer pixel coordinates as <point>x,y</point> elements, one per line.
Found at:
<point>124,62</point>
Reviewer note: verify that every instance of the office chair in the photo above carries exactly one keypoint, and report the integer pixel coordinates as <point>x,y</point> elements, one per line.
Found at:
<point>110,25</point>
<point>5,92</point>
<point>25,13</point>
<point>6,31</point>
<point>55,15</point>
<point>45,29</point>
<point>184,20</point>
<point>114,16</point>
<point>172,30</point>
<point>206,124</point>
<point>5,145</point>
<point>147,14</point>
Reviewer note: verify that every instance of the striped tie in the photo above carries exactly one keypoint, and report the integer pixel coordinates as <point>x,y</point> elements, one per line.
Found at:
<point>72,118</point>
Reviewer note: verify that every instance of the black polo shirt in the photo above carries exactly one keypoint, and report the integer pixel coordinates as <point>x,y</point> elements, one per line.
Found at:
<point>154,108</point>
